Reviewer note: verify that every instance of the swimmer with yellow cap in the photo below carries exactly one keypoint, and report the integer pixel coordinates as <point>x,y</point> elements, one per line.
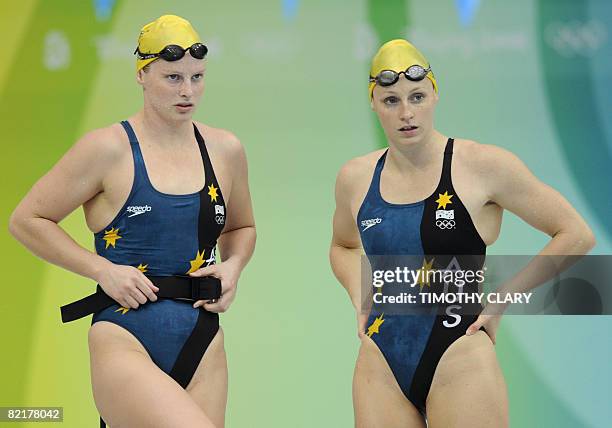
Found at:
<point>148,188</point>
<point>404,93</point>
<point>443,197</point>
<point>170,67</point>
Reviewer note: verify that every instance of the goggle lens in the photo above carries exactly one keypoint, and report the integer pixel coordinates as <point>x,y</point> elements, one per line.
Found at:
<point>415,72</point>
<point>387,77</point>
<point>198,51</point>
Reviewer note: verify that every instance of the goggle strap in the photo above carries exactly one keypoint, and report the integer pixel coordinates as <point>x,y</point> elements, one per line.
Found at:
<point>158,54</point>
<point>422,74</point>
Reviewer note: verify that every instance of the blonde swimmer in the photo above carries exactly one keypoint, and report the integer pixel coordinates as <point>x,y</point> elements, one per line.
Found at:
<point>157,208</point>
<point>433,198</point>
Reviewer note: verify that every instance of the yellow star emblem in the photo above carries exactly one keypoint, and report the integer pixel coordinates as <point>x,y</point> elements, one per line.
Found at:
<point>197,262</point>
<point>212,191</point>
<point>142,268</point>
<point>423,273</point>
<point>122,310</point>
<point>375,325</point>
<point>111,236</point>
<point>444,199</point>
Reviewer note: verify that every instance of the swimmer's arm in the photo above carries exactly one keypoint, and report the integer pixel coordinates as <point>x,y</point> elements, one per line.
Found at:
<point>346,250</point>
<point>76,178</point>
<point>237,241</point>
<point>511,185</point>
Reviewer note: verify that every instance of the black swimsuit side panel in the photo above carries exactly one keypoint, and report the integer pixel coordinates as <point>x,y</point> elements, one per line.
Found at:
<point>209,229</point>
<point>461,242</point>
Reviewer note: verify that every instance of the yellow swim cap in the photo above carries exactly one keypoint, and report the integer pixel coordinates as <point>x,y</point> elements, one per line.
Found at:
<point>165,30</point>
<point>398,55</point>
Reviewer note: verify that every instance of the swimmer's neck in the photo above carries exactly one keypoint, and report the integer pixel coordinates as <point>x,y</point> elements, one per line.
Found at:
<point>159,131</point>
<point>420,155</point>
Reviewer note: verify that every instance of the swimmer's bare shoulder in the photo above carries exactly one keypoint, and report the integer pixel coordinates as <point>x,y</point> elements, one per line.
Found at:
<point>483,157</point>
<point>227,155</point>
<point>78,176</point>
<point>353,180</point>
<point>219,141</point>
<point>494,168</point>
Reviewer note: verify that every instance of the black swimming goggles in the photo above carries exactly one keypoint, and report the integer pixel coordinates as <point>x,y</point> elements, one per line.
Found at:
<point>389,77</point>
<point>175,52</point>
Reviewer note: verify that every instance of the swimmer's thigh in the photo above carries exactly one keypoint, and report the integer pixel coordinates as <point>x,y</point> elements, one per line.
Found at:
<point>468,388</point>
<point>208,387</point>
<point>378,400</point>
<point>130,390</point>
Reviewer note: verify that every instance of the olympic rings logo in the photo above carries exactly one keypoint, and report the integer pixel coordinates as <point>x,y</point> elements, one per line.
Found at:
<point>576,38</point>
<point>445,224</point>
<point>220,219</point>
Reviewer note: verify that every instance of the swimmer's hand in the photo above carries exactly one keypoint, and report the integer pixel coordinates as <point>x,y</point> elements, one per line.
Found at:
<point>489,319</point>
<point>228,273</point>
<point>362,319</point>
<point>127,285</point>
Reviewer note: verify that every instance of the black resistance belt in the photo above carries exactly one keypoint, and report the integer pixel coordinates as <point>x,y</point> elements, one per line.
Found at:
<point>170,287</point>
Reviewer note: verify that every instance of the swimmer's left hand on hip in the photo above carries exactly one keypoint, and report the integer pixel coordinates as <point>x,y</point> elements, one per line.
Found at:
<point>228,275</point>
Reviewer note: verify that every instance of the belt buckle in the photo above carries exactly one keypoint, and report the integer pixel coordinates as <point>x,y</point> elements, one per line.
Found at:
<point>196,287</point>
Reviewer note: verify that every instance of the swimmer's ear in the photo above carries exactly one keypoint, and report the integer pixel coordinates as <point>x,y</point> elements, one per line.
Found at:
<point>372,97</point>
<point>140,76</point>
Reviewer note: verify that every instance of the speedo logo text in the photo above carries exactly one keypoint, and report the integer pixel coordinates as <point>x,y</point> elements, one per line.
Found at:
<point>137,210</point>
<point>366,224</point>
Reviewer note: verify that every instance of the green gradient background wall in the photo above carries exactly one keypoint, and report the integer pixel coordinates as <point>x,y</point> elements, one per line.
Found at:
<point>288,78</point>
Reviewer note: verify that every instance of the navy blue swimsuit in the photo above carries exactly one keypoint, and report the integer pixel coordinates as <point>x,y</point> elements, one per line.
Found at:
<point>438,228</point>
<point>163,235</point>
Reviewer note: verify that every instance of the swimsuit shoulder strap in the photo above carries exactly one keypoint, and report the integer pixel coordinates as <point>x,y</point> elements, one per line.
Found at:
<point>445,178</point>
<point>140,170</point>
<point>208,168</point>
<point>374,190</point>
